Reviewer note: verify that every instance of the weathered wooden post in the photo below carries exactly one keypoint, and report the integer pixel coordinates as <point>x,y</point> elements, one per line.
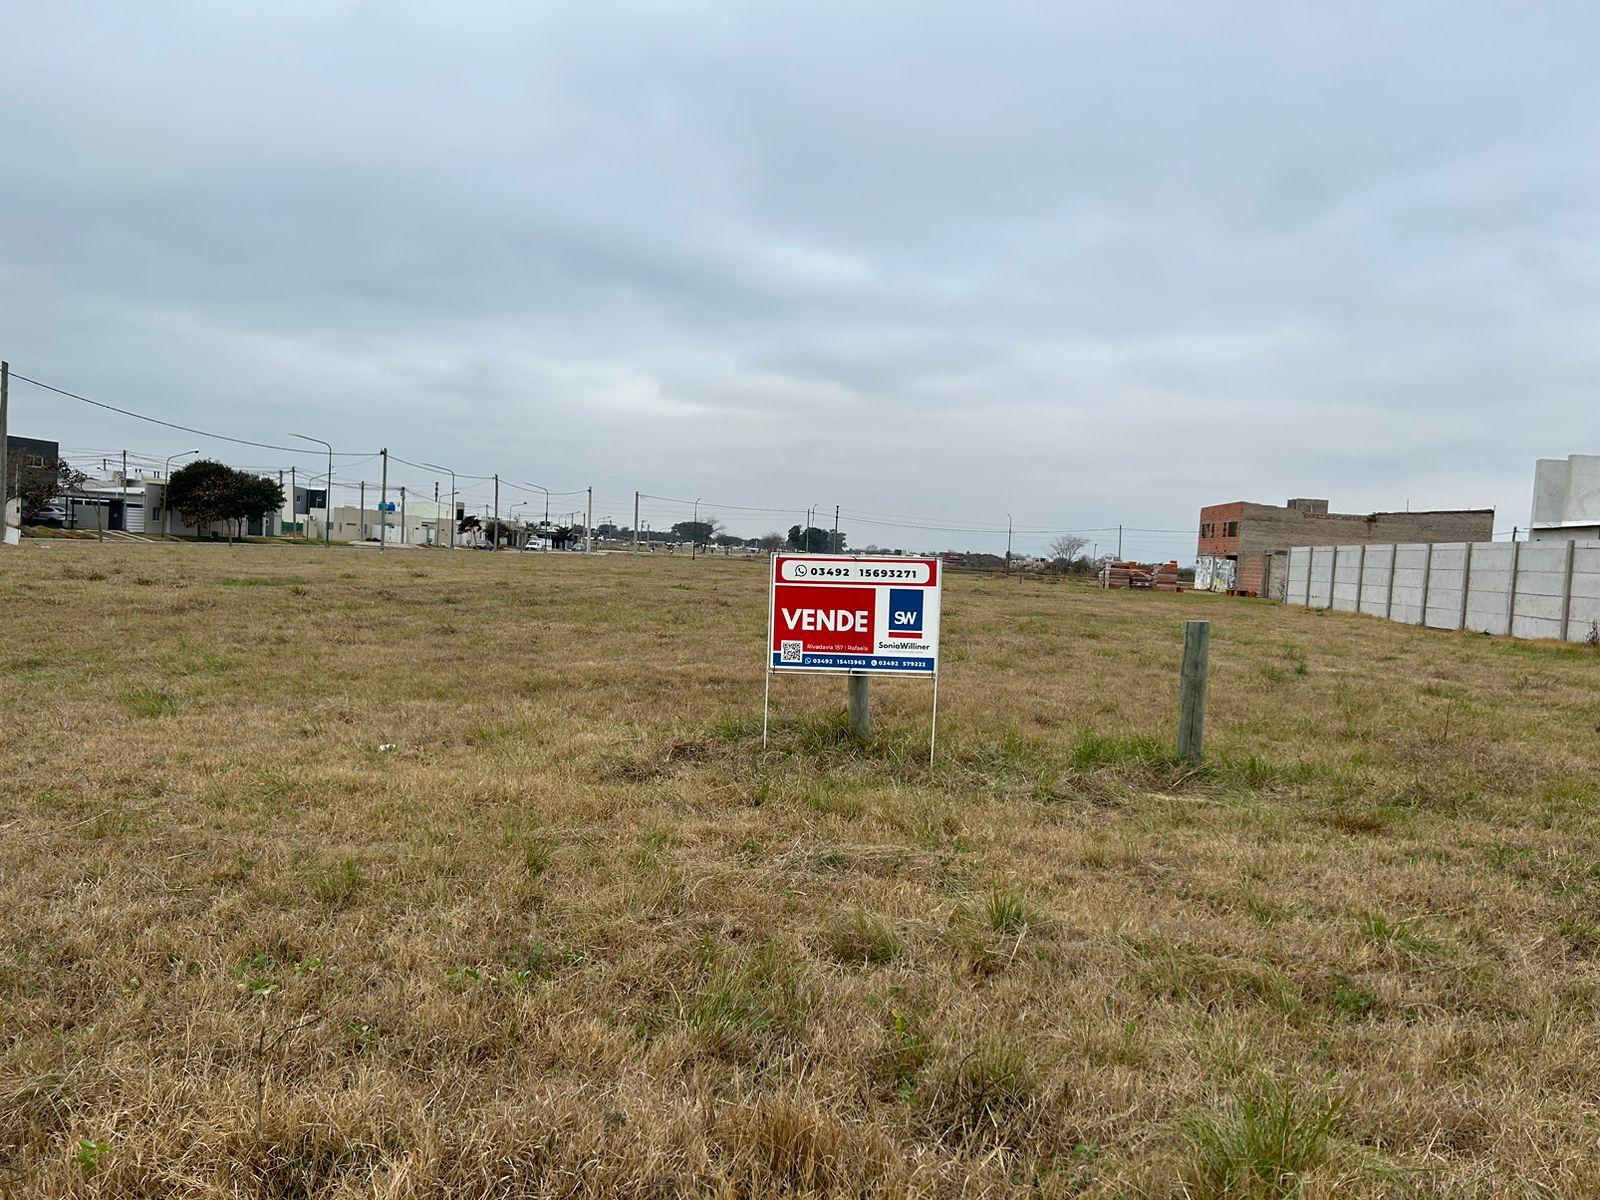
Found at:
<point>860,702</point>
<point>1192,698</point>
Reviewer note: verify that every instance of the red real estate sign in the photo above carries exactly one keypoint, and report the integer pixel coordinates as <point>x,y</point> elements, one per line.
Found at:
<point>846,614</point>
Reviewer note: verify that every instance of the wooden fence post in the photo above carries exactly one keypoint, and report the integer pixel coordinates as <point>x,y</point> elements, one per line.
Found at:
<point>860,702</point>
<point>1192,693</point>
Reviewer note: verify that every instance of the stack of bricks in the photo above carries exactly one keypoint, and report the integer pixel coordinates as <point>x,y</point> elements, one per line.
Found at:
<point>1164,576</point>
<point>1124,575</point>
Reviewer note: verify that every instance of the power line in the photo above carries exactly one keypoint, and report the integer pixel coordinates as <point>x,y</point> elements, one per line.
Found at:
<point>221,437</point>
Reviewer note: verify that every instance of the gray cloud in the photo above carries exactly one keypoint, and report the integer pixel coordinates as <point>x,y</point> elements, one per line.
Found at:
<point>1082,264</point>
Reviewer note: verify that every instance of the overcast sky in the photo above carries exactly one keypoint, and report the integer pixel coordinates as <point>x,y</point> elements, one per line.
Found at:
<point>1083,263</point>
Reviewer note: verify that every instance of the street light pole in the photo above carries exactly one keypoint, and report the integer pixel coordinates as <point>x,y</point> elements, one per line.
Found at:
<point>1008,541</point>
<point>166,488</point>
<point>452,474</point>
<point>327,502</point>
<point>694,531</point>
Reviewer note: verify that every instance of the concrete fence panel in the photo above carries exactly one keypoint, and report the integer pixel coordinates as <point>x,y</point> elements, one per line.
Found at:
<point>1346,578</point>
<point>1525,589</point>
<point>1447,579</point>
<point>1376,571</point>
<point>1410,581</point>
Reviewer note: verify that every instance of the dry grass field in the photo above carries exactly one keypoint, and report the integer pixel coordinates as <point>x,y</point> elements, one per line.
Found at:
<point>576,934</point>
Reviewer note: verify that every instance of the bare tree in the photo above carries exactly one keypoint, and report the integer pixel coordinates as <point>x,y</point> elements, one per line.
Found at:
<point>1067,547</point>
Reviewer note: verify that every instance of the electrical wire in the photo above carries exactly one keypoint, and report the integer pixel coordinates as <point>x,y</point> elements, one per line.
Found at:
<point>221,437</point>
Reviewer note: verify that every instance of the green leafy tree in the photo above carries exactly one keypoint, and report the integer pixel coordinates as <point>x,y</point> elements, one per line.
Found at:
<point>698,532</point>
<point>202,492</point>
<point>254,496</point>
<point>207,493</point>
<point>814,539</point>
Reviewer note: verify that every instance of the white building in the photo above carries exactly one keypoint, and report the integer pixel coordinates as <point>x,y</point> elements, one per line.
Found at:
<point>1566,499</point>
<point>418,523</point>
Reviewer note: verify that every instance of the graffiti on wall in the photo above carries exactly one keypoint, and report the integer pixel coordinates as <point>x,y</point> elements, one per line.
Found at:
<point>1214,574</point>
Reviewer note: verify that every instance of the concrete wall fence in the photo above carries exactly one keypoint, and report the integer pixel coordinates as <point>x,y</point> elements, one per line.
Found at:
<point>1526,589</point>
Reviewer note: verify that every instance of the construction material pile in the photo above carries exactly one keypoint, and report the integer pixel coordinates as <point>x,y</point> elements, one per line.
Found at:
<point>1161,577</point>
<point>1124,575</point>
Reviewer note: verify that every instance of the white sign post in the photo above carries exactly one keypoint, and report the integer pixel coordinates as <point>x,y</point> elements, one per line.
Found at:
<point>842,614</point>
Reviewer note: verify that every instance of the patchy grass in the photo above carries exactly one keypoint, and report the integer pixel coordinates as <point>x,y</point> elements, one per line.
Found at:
<point>577,933</point>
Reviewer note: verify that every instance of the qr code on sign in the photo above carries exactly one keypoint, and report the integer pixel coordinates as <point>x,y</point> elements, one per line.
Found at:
<point>793,652</point>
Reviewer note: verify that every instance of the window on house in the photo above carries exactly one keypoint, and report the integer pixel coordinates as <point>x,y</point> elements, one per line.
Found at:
<point>1233,529</point>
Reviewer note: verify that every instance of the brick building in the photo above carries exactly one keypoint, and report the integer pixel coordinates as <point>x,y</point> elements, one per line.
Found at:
<point>1238,540</point>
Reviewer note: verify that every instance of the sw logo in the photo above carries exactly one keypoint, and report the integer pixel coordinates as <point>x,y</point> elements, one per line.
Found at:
<point>905,612</point>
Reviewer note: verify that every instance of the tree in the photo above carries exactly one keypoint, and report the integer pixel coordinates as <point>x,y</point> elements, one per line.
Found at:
<point>469,522</point>
<point>254,496</point>
<point>814,539</point>
<point>771,541</point>
<point>202,492</point>
<point>1066,547</point>
<point>38,482</point>
<point>207,492</point>
<point>697,532</point>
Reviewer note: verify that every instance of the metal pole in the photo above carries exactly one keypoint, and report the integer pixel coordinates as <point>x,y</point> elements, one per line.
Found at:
<point>694,531</point>
<point>383,519</point>
<point>588,522</point>
<point>361,522</point>
<point>833,542</point>
<point>435,512</point>
<point>294,498</point>
<point>1119,544</point>
<point>402,514</point>
<point>327,504</point>
<point>636,522</point>
<point>496,546</point>
<point>1192,690</point>
<point>1008,541</point>
<point>452,474</point>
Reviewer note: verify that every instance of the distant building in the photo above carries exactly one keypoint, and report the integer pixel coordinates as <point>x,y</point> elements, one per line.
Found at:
<point>1237,540</point>
<point>1566,499</point>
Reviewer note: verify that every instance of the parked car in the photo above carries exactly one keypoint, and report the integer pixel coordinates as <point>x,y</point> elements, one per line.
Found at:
<point>52,516</point>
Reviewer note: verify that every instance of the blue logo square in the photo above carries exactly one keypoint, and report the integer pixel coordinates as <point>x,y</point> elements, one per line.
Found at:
<point>905,610</point>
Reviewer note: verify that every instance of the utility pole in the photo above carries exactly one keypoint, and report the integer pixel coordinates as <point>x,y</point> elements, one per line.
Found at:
<point>496,546</point>
<point>1008,542</point>
<point>402,514</point>
<point>636,522</point>
<point>588,522</point>
<point>383,519</point>
<point>361,523</point>
<point>694,531</point>
<point>833,543</point>
<point>294,499</point>
<point>435,512</point>
<point>5,400</point>
<point>1119,544</point>
<point>124,471</point>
